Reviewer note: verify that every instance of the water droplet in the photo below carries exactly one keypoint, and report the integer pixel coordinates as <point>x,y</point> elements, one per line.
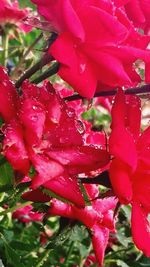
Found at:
<point>82,68</point>
<point>70,112</point>
<point>34,118</point>
<point>80,126</point>
<point>35,107</point>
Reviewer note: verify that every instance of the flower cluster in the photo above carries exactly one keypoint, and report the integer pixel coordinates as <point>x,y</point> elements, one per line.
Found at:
<point>55,155</point>
<point>42,132</point>
<point>91,34</point>
<point>10,14</point>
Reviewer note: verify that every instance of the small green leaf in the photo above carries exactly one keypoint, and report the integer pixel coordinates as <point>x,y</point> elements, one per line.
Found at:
<point>122,263</point>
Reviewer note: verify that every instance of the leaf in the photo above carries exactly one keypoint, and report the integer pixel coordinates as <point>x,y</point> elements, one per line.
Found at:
<point>123,239</point>
<point>6,174</point>
<point>127,211</point>
<point>22,246</point>
<point>12,257</point>
<point>122,263</point>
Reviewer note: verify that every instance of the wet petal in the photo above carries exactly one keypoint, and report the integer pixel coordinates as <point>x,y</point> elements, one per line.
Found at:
<point>121,181</point>
<point>14,147</point>
<point>140,228</point>
<point>99,240</point>
<point>46,169</point>
<point>80,159</point>
<point>67,188</point>
<point>32,117</point>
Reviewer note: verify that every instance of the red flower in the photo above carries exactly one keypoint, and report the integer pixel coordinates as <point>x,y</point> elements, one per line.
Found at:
<point>26,215</point>
<point>98,218</point>
<point>129,170</point>
<point>138,11</point>
<point>10,13</point>
<point>42,131</point>
<point>103,48</point>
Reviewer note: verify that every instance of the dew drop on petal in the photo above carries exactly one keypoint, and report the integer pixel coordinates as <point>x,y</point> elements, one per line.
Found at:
<point>82,68</point>
<point>34,118</point>
<point>80,126</point>
<point>34,107</point>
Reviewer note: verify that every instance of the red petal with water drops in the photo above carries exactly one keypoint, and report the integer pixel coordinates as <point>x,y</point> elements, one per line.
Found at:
<point>80,159</point>
<point>14,147</point>
<point>121,142</point>
<point>32,117</point>
<point>75,67</point>
<point>8,96</point>
<point>121,182</point>
<point>46,169</point>
<point>66,187</point>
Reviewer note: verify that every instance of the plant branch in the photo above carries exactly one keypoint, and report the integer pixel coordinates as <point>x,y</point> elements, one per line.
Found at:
<point>26,53</point>
<point>145,89</point>
<point>43,258</point>
<point>49,72</point>
<point>45,60</point>
<point>101,179</point>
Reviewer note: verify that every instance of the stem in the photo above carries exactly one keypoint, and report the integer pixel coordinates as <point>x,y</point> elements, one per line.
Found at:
<point>69,253</point>
<point>43,258</point>
<point>15,208</point>
<point>88,252</point>
<point>44,61</point>
<point>101,179</point>
<point>5,39</point>
<point>145,89</point>
<point>26,53</point>
<point>51,71</point>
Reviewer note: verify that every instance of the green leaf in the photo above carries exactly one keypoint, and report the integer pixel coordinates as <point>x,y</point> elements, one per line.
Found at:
<point>123,239</point>
<point>127,211</point>
<point>6,174</point>
<point>22,246</point>
<point>122,263</point>
<point>11,255</point>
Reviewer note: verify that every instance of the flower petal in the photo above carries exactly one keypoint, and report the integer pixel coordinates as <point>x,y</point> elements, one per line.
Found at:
<point>46,169</point>
<point>67,188</point>
<point>120,179</point>
<point>14,147</point>
<point>99,240</point>
<point>140,228</point>
<point>80,159</point>
<point>36,196</point>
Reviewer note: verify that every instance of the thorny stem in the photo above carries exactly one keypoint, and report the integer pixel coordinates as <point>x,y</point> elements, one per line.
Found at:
<point>51,71</point>
<point>43,258</point>
<point>26,53</point>
<point>69,254</point>
<point>101,179</point>
<point>145,89</point>
<point>45,60</point>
